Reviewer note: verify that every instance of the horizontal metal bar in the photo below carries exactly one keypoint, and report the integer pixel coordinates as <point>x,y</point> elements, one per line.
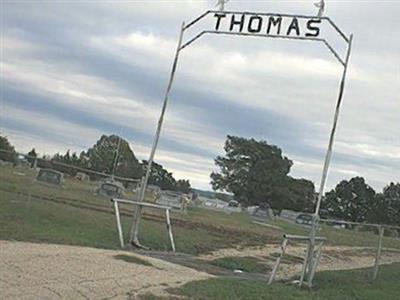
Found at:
<point>267,36</point>
<point>249,34</point>
<point>272,15</point>
<point>357,223</point>
<point>140,203</point>
<point>302,237</point>
<point>267,14</point>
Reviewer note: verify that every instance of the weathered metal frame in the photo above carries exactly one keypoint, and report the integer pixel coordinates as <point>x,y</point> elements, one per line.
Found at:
<point>344,62</point>
<point>300,239</point>
<point>167,209</point>
<point>324,41</point>
<point>381,231</point>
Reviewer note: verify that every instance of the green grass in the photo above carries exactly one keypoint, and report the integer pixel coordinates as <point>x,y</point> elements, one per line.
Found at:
<point>335,285</point>
<point>246,264</point>
<point>73,214</point>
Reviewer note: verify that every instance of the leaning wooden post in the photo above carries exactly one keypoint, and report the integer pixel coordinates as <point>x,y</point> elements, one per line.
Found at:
<point>378,253</point>
<point>278,261</point>
<point>119,227</point>
<point>171,237</point>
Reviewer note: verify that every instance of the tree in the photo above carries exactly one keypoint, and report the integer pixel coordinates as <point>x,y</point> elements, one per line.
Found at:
<point>378,210</point>
<point>160,176</point>
<point>104,155</point>
<point>294,194</point>
<point>183,186</point>
<point>253,171</point>
<point>350,200</point>
<point>7,151</point>
<point>391,194</point>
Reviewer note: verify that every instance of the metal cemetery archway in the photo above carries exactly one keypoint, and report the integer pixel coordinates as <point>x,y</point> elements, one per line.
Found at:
<point>268,25</point>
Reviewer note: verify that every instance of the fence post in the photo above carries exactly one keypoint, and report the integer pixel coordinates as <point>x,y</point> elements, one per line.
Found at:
<point>171,237</point>
<point>278,261</point>
<point>378,253</point>
<point>119,227</point>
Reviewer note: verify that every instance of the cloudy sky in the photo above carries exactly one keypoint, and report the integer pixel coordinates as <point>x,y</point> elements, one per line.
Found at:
<point>73,70</point>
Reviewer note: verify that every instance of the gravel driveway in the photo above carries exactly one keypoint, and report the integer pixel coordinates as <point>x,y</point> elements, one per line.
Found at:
<point>47,271</point>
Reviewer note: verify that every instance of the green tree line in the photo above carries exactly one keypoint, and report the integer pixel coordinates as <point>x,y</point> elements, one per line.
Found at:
<point>257,173</point>
<point>110,155</point>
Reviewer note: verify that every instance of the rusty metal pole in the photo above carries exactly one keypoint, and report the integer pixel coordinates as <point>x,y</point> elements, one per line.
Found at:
<point>325,169</point>
<point>137,214</point>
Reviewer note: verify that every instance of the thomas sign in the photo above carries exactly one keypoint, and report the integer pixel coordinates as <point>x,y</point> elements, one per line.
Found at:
<point>274,25</point>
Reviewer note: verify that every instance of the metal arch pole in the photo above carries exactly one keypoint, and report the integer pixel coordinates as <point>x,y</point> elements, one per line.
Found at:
<point>328,156</point>
<point>137,214</point>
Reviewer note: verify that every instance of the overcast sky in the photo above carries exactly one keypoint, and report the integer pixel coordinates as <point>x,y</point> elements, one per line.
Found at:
<point>73,70</point>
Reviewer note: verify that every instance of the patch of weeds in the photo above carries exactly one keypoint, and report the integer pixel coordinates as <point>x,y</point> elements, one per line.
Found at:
<point>133,259</point>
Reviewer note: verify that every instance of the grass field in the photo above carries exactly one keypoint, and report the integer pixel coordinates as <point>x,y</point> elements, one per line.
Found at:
<point>73,214</point>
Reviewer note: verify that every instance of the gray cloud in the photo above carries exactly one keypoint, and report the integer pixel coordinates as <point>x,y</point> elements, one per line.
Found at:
<point>95,67</point>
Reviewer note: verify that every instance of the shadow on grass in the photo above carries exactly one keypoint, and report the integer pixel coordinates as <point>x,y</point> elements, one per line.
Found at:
<point>246,264</point>
<point>133,259</point>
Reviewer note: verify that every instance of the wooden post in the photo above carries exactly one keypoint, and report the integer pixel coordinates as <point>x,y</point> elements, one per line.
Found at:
<point>119,227</point>
<point>278,261</point>
<point>171,237</point>
<point>378,253</point>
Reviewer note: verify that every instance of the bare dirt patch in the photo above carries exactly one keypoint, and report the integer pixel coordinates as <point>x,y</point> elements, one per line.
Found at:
<point>333,257</point>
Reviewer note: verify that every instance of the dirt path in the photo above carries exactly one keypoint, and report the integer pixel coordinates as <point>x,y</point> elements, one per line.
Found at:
<point>47,271</point>
<point>333,257</point>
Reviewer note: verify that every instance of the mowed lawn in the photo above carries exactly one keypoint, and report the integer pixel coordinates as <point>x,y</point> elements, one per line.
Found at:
<point>73,214</point>
<point>332,285</point>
